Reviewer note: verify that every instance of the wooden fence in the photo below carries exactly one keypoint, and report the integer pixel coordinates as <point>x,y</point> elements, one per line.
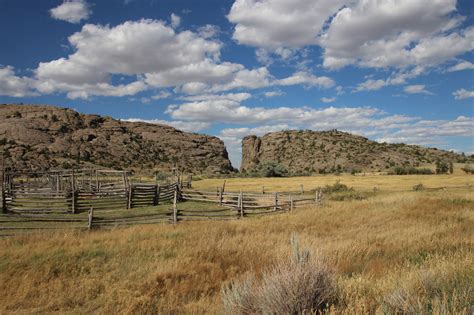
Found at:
<point>238,205</point>
<point>76,190</point>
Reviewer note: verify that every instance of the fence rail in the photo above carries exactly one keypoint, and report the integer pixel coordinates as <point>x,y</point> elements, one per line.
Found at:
<point>37,210</point>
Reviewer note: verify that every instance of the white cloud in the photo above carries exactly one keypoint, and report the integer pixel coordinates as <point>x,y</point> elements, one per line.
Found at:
<point>237,97</point>
<point>366,33</point>
<point>328,99</point>
<point>427,132</point>
<point>395,78</point>
<point>463,94</point>
<point>463,65</point>
<point>416,89</point>
<point>146,46</point>
<point>371,85</point>
<point>208,31</point>
<point>181,125</point>
<point>277,24</point>
<point>72,11</point>
<point>161,95</point>
<point>305,78</point>
<point>175,20</point>
<point>13,85</point>
<point>400,33</point>
<point>269,94</point>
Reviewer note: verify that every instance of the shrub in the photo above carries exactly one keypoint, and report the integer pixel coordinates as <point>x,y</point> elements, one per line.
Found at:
<point>418,187</point>
<point>161,176</point>
<point>337,187</point>
<point>271,169</point>
<point>296,285</point>
<point>399,170</point>
<point>468,170</point>
<point>442,167</point>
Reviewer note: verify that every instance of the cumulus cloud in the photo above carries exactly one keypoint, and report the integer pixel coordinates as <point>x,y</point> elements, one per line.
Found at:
<point>328,99</point>
<point>208,31</point>
<point>463,94</point>
<point>463,65</point>
<point>396,78</point>
<point>72,11</point>
<point>175,20</point>
<point>417,89</point>
<point>280,24</point>
<point>147,47</point>
<point>427,132</point>
<point>305,78</point>
<point>401,33</point>
<point>13,85</point>
<point>366,33</point>
<point>269,94</point>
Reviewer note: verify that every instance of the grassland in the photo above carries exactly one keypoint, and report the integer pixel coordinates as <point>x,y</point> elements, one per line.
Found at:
<point>389,183</point>
<point>398,250</point>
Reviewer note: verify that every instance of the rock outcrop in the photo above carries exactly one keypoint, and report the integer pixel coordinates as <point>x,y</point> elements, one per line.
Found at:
<point>43,137</point>
<point>310,152</point>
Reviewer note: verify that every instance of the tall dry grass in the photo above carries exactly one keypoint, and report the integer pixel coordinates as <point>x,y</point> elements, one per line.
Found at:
<point>394,252</point>
<point>388,183</point>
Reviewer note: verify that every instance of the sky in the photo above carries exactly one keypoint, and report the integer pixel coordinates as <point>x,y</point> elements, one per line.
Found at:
<point>392,71</point>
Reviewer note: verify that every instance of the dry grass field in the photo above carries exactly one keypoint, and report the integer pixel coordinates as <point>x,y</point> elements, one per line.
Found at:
<point>396,251</point>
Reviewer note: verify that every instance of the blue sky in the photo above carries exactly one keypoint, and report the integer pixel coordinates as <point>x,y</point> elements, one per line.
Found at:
<point>394,70</point>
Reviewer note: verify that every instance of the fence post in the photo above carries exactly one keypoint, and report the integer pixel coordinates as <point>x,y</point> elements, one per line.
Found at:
<point>73,192</point>
<point>91,218</point>
<point>158,188</point>
<point>263,190</point>
<point>130,195</point>
<point>221,197</point>
<point>4,202</point>
<point>276,202</point>
<point>302,189</point>
<point>190,182</point>
<point>320,196</point>
<point>241,205</point>
<point>4,187</point>
<point>291,203</point>
<point>175,207</point>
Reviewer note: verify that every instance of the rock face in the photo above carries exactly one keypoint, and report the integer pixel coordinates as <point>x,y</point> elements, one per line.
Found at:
<point>43,137</point>
<point>306,152</point>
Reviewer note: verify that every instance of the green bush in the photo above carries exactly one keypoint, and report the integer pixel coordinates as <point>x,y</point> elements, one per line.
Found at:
<point>337,187</point>
<point>442,167</point>
<point>271,169</point>
<point>399,170</point>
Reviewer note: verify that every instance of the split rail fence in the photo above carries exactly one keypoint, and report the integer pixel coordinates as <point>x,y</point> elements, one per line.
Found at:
<point>76,199</point>
<point>75,191</point>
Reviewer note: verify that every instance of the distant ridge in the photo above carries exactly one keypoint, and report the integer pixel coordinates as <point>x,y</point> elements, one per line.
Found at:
<point>306,151</point>
<point>43,137</point>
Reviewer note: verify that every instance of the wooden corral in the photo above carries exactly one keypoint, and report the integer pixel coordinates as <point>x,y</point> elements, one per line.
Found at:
<point>73,191</point>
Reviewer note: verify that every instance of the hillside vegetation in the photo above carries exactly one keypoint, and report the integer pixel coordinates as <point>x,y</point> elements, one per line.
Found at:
<point>304,152</point>
<point>392,251</point>
<point>44,137</point>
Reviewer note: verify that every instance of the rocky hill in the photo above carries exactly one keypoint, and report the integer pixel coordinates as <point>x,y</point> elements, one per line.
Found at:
<point>306,152</point>
<point>43,137</point>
